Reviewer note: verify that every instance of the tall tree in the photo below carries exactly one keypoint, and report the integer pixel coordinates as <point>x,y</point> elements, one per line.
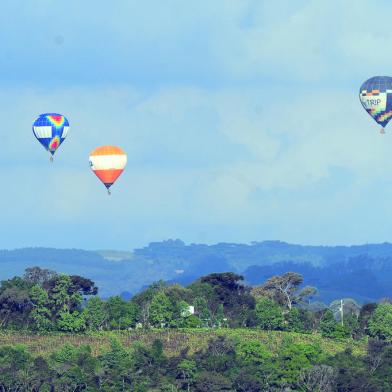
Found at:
<point>15,302</point>
<point>269,315</point>
<point>161,310</point>
<point>95,313</point>
<point>40,312</point>
<point>380,324</point>
<point>229,290</point>
<point>120,314</point>
<point>285,289</point>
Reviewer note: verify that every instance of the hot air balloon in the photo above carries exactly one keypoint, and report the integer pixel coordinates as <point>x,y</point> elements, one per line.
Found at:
<point>51,129</point>
<point>376,98</point>
<point>108,162</point>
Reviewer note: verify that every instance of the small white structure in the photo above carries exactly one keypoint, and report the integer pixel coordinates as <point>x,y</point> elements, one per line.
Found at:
<point>188,311</point>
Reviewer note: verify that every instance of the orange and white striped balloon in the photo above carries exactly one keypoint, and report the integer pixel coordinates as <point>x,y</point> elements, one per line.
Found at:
<point>108,162</point>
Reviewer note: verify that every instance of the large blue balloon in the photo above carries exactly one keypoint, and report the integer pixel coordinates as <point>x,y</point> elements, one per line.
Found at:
<point>51,129</point>
<point>376,97</point>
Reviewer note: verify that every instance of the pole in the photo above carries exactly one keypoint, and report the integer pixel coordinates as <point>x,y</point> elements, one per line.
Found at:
<point>341,311</point>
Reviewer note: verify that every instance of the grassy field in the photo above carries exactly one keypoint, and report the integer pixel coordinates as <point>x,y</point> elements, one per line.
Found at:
<point>174,340</point>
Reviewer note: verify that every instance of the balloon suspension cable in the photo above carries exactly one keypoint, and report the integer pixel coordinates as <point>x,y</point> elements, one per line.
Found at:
<point>51,158</point>
<point>382,131</point>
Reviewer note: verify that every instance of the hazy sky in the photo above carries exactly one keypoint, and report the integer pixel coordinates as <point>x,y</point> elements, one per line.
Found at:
<point>241,121</point>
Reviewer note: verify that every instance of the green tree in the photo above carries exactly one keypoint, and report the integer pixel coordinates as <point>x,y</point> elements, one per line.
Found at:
<point>117,366</point>
<point>252,352</point>
<point>328,324</point>
<point>219,356</point>
<point>365,315</point>
<point>74,369</point>
<point>15,303</point>
<point>202,311</point>
<point>95,313</point>
<point>219,317</point>
<point>71,322</point>
<point>186,373</point>
<point>294,358</point>
<point>121,314</point>
<point>294,321</point>
<point>269,315</point>
<point>380,324</point>
<point>228,289</point>
<point>62,297</point>
<point>15,366</point>
<point>161,311</point>
<point>40,312</point>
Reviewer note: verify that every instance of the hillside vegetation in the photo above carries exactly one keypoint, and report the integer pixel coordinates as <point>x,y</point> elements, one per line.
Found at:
<point>216,334</point>
<point>175,341</point>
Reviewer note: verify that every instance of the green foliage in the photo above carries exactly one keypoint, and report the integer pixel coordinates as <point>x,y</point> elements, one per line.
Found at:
<point>269,315</point>
<point>229,292</point>
<point>295,357</point>
<point>59,294</point>
<point>15,363</point>
<point>40,312</point>
<point>120,314</point>
<point>219,355</point>
<point>73,367</point>
<point>71,322</point>
<point>365,315</point>
<point>233,362</point>
<point>200,359</point>
<point>15,304</point>
<point>252,352</point>
<point>116,367</point>
<point>202,310</point>
<point>191,321</point>
<point>186,373</point>
<point>330,328</point>
<point>294,322</point>
<point>95,313</point>
<point>380,324</point>
<point>161,310</point>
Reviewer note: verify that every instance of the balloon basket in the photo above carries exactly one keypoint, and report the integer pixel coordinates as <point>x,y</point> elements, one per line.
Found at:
<point>382,131</point>
<point>51,159</point>
<point>109,193</point>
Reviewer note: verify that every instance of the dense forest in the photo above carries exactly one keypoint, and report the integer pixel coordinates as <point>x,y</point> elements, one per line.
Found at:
<point>305,345</point>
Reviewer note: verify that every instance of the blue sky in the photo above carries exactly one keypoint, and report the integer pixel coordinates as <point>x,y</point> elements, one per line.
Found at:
<point>241,121</point>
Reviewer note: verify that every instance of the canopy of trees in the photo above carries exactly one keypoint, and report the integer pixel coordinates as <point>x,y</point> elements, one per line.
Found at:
<point>43,301</point>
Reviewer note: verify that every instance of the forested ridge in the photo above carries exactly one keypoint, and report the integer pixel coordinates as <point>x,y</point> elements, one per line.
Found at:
<point>215,334</point>
<point>337,271</point>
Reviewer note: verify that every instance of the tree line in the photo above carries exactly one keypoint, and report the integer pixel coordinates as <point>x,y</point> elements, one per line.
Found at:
<point>43,301</point>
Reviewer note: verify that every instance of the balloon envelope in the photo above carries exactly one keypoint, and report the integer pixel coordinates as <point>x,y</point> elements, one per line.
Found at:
<point>108,162</point>
<point>376,97</point>
<point>51,129</point>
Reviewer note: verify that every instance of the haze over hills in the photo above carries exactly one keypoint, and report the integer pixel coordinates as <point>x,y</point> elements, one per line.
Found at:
<point>363,272</point>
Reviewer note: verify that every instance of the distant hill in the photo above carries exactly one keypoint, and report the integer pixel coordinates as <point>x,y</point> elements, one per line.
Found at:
<point>363,272</point>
